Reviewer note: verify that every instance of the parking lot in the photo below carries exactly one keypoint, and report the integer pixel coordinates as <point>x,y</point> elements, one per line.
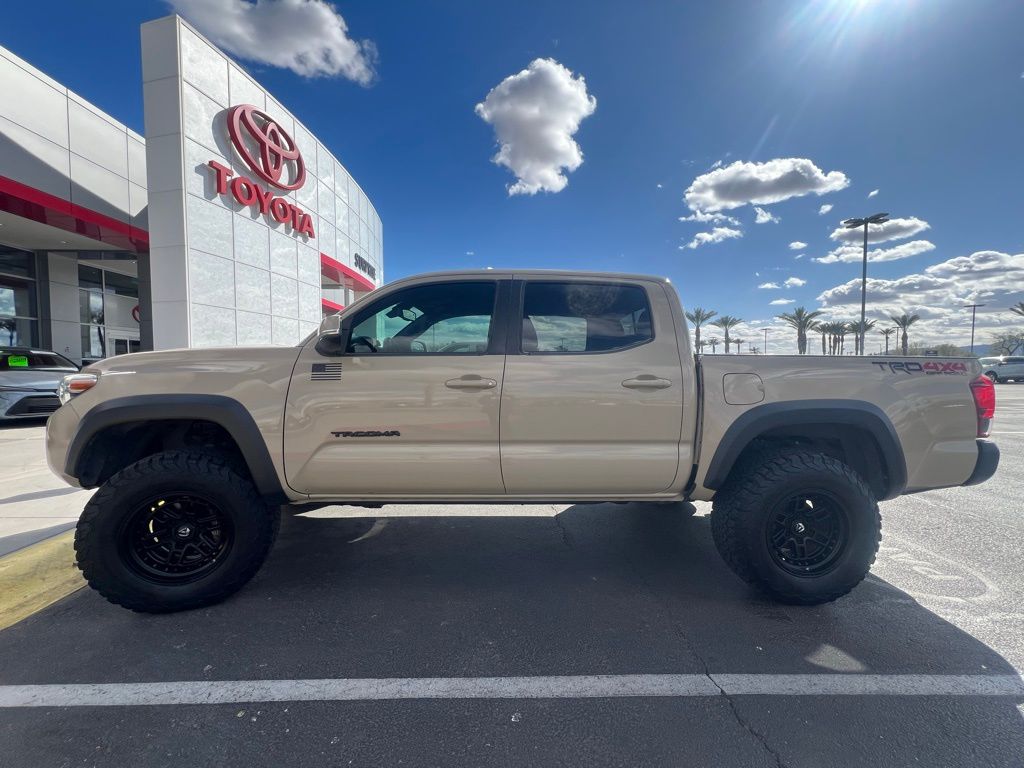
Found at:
<point>580,635</point>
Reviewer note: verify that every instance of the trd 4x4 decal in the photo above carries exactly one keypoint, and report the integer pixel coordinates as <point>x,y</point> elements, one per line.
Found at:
<point>931,368</point>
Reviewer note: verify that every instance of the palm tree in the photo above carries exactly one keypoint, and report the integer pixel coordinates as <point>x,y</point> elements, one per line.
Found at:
<point>801,321</point>
<point>698,316</point>
<point>714,341</point>
<point>755,350</point>
<point>847,328</point>
<point>1018,308</point>
<point>903,322</point>
<point>887,332</point>
<point>823,327</point>
<point>701,344</point>
<point>856,331</point>
<point>727,323</point>
<point>738,342</point>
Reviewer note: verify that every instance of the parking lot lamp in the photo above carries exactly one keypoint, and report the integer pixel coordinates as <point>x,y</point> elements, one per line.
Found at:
<point>877,218</point>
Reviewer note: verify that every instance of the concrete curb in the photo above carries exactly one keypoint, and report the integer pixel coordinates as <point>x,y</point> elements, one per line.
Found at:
<point>37,576</point>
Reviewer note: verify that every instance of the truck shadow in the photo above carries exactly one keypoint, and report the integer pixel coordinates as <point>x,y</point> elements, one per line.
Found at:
<point>597,589</point>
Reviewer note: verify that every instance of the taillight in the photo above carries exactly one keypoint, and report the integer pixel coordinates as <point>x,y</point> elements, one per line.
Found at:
<point>984,392</point>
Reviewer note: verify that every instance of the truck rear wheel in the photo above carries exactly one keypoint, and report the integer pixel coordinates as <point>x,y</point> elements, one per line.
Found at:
<point>801,526</point>
<point>174,531</point>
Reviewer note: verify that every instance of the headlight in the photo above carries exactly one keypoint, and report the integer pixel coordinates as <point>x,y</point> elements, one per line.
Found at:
<point>75,384</point>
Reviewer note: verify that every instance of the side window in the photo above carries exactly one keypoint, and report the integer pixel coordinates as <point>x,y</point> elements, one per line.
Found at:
<point>572,317</point>
<point>438,318</point>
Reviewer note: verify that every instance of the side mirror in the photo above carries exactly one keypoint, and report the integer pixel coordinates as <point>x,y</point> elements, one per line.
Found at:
<point>330,324</point>
<point>332,336</point>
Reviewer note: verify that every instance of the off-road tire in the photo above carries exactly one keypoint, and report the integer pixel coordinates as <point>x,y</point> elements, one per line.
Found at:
<point>108,571</point>
<point>744,508</point>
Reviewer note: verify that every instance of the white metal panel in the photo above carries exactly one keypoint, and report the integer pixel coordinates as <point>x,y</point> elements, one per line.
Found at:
<point>252,241</point>
<point>98,189</point>
<point>212,326</point>
<point>212,279</point>
<point>203,66</point>
<point>33,103</point>
<point>209,226</point>
<point>31,159</point>
<point>97,138</point>
<point>252,289</point>
<point>252,328</point>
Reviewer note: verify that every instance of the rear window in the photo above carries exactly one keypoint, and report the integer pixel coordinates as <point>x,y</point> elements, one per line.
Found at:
<point>22,361</point>
<point>562,318</point>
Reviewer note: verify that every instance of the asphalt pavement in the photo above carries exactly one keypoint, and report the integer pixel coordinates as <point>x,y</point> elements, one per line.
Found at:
<point>406,614</point>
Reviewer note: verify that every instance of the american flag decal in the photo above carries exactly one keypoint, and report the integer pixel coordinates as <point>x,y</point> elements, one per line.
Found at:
<point>325,372</point>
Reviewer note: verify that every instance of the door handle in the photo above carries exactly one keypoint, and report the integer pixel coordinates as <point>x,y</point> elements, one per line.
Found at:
<point>646,381</point>
<point>471,381</point>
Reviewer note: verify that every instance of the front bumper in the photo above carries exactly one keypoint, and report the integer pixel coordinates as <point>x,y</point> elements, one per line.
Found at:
<point>60,429</point>
<point>27,403</point>
<point>987,463</point>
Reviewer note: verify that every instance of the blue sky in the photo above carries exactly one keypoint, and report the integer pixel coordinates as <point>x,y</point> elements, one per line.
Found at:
<point>921,100</point>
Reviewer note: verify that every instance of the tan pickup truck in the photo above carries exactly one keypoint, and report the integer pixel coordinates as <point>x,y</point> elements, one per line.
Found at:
<point>505,386</point>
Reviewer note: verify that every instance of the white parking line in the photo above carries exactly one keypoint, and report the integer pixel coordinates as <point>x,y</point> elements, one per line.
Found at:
<point>563,687</point>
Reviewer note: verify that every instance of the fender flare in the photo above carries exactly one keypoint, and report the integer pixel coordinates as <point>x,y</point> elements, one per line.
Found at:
<point>223,411</point>
<point>763,418</point>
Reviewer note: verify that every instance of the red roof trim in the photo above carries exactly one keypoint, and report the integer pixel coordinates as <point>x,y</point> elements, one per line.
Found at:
<point>31,203</point>
<point>336,270</point>
<point>328,304</point>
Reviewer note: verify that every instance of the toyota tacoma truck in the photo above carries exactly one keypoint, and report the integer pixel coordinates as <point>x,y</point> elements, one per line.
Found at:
<point>505,387</point>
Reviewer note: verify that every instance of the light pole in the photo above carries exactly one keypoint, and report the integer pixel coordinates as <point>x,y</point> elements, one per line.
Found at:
<point>765,340</point>
<point>974,315</point>
<point>878,218</point>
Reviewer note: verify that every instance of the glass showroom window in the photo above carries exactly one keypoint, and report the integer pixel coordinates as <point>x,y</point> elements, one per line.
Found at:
<point>105,299</point>
<point>18,319</point>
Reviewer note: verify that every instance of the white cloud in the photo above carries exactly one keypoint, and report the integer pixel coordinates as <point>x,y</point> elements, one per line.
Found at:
<point>471,253</point>
<point>309,37</point>
<point>938,294</point>
<point>781,302</point>
<point>764,217</point>
<point>872,193</point>
<point>659,186</point>
<point>850,253</point>
<point>716,235</point>
<point>893,229</point>
<point>825,209</point>
<point>743,183</point>
<point>769,285</point>
<point>796,245</point>
<point>795,282</point>
<point>711,218</point>
<point>799,255</point>
<point>535,114</point>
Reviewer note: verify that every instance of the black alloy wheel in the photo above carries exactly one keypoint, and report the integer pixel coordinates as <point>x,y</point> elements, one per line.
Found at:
<point>807,533</point>
<point>176,538</point>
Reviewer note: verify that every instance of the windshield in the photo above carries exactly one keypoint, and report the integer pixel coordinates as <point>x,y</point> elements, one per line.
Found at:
<point>19,360</point>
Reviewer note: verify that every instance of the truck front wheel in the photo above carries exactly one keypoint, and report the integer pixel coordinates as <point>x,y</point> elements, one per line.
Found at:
<point>802,527</point>
<point>174,531</point>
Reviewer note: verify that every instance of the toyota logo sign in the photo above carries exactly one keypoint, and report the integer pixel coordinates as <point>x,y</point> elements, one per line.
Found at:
<point>276,151</point>
<point>270,152</point>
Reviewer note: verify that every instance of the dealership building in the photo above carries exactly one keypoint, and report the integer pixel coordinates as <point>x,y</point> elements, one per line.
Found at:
<point>229,223</point>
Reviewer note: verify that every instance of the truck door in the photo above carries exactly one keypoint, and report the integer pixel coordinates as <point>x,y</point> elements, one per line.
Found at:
<point>410,407</point>
<point>592,400</point>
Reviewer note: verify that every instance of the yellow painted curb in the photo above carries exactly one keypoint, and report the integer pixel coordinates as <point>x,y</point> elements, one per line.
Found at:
<point>37,576</point>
